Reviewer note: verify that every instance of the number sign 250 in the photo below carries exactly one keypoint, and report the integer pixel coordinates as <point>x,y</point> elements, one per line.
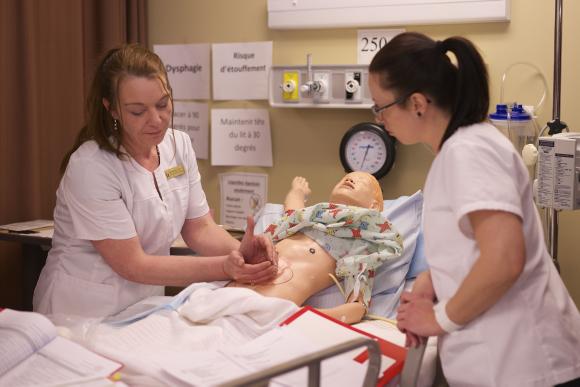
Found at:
<point>371,41</point>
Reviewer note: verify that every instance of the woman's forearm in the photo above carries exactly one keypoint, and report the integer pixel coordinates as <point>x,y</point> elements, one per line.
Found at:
<point>423,285</point>
<point>502,258</point>
<point>205,237</point>
<point>176,270</point>
<point>481,289</point>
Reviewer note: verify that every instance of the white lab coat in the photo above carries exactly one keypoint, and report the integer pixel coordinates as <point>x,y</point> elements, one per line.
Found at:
<point>531,336</point>
<point>103,197</point>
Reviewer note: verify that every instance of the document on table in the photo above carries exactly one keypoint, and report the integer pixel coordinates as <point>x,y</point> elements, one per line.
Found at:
<point>28,226</point>
<point>271,349</point>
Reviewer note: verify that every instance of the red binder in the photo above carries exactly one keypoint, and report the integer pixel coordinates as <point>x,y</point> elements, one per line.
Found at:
<point>393,351</point>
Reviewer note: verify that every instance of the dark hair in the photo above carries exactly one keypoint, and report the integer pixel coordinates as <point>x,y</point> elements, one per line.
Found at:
<point>118,63</point>
<point>413,62</point>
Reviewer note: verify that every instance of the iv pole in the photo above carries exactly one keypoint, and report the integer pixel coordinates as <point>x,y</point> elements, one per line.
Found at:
<point>556,126</point>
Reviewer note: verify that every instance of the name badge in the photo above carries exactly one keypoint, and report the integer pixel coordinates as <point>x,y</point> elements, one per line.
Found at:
<point>174,172</point>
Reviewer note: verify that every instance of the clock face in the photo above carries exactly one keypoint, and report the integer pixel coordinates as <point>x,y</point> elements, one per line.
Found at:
<point>365,151</point>
<point>367,147</point>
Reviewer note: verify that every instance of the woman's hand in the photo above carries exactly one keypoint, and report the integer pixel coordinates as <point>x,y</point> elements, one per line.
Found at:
<point>257,248</point>
<point>237,269</point>
<point>416,318</point>
<point>422,288</point>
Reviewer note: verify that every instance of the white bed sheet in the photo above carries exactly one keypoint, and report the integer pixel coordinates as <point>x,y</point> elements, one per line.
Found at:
<point>213,318</point>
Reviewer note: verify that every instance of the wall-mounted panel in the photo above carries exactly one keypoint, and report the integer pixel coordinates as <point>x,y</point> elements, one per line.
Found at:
<point>320,86</point>
<point>303,14</point>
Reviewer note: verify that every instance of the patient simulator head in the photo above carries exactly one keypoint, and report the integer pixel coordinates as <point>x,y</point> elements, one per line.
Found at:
<point>358,189</point>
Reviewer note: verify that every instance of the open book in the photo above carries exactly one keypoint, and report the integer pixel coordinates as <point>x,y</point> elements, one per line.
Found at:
<point>32,354</point>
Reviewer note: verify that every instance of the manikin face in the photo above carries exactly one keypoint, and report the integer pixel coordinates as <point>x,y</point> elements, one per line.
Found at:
<point>145,112</point>
<point>398,120</point>
<point>358,189</point>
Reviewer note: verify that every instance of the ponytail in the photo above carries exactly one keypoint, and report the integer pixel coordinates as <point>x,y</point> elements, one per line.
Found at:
<point>472,87</point>
<point>413,62</point>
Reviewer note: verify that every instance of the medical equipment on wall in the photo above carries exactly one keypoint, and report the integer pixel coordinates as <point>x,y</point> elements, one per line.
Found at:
<point>556,126</point>
<point>320,86</point>
<point>296,14</point>
<point>518,121</point>
<point>367,147</point>
<point>517,124</point>
<point>558,182</point>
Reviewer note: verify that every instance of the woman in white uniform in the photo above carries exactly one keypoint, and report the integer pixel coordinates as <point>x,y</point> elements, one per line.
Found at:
<point>130,186</point>
<point>492,294</point>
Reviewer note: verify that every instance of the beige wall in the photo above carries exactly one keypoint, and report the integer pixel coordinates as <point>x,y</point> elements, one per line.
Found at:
<point>305,141</point>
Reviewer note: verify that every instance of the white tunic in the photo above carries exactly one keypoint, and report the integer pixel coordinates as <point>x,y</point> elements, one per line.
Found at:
<point>531,336</point>
<point>103,197</point>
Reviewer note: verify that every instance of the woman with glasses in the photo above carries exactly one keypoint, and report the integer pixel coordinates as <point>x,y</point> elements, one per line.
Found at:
<point>492,294</point>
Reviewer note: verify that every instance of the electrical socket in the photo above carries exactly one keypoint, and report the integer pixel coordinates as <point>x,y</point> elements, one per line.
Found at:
<point>352,86</point>
<point>289,86</point>
<point>321,86</point>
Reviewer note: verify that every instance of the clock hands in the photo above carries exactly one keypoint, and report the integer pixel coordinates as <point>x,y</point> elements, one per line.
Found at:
<point>368,146</point>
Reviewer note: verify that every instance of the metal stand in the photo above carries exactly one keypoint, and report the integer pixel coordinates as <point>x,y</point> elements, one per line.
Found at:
<point>556,126</point>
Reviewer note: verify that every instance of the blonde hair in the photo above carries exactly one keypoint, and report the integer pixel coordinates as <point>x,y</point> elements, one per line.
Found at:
<point>118,63</point>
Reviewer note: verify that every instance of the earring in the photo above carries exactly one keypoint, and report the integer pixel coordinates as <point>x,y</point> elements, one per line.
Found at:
<point>115,127</point>
<point>419,114</point>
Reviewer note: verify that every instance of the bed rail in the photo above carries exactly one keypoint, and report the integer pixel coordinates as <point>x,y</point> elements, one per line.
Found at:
<point>413,361</point>
<point>312,361</point>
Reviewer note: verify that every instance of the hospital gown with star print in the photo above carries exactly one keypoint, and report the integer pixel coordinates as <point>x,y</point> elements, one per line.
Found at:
<point>360,239</point>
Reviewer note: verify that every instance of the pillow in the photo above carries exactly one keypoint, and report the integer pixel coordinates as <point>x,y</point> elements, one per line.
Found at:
<point>405,214</point>
<point>419,261</point>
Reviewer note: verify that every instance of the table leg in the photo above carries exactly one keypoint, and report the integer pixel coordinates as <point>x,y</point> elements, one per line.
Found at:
<point>34,258</point>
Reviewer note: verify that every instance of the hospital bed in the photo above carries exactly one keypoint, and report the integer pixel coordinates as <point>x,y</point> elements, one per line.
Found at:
<point>151,334</point>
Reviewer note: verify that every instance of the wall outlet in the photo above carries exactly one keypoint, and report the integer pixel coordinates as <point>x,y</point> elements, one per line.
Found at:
<point>321,86</point>
<point>352,86</point>
<point>289,86</point>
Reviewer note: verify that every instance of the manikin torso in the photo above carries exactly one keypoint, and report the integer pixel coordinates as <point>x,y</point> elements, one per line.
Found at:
<point>303,270</point>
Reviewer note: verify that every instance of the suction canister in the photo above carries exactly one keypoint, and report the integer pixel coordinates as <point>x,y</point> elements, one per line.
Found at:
<point>516,123</point>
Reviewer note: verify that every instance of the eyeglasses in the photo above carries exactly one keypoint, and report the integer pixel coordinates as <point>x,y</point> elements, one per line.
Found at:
<point>377,110</point>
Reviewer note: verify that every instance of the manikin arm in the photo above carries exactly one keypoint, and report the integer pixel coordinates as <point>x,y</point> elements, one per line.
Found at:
<point>296,197</point>
<point>349,313</point>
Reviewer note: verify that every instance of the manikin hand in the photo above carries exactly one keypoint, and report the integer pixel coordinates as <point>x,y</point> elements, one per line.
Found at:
<point>300,187</point>
<point>416,318</point>
<point>300,184</point>
<point>237,269</point>
<point>257,248</point>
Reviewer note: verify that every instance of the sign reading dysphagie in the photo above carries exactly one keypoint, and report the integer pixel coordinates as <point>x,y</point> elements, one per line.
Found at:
<point>187,67</point>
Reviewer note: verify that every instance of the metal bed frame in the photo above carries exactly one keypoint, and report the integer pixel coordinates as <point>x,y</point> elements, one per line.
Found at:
<point>409,375</point>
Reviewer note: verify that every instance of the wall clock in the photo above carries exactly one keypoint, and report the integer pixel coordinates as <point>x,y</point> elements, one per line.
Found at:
<point>367,147</point>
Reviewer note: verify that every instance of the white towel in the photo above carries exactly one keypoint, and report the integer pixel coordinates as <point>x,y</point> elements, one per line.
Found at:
<point>241,313</point>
